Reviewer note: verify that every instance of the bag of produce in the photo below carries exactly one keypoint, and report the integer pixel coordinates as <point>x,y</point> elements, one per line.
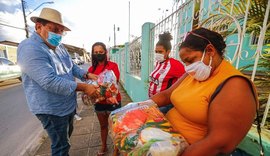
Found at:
<point>106,89</point>
<point>140,129</point>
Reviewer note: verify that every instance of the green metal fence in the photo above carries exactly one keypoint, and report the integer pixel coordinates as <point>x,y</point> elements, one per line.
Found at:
<point>245,26</point>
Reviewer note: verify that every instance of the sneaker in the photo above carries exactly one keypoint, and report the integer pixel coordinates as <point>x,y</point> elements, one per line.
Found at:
<point>77,117</point>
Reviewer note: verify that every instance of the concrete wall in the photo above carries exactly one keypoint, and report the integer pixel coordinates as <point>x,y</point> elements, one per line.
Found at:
<point>136,87</point>
<point>10,52</point>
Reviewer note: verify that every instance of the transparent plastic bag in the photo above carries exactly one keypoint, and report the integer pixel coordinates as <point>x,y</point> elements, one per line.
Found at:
<point>140,126</point>
<point>106,89</point>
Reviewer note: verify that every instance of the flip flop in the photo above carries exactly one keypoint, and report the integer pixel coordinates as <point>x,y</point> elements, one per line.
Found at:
<point>99,153</point>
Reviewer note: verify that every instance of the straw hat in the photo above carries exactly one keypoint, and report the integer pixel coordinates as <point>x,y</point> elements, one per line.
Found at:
<point>50,15</point>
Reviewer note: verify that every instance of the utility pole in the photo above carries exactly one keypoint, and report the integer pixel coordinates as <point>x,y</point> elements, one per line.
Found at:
<point>114,35</point>
<point>129,21</point>
<point>25,21</point>
<point>24,15</point>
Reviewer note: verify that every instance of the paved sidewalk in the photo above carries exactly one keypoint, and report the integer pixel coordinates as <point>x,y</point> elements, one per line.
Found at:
<point>85,139</point>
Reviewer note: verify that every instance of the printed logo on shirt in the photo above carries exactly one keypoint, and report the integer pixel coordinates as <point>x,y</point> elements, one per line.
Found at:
<point>155,81</point>
<point>161,71</point>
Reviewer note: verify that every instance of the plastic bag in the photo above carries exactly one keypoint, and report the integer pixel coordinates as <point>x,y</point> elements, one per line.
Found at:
<point>141,129</point>
<point>106,89</point>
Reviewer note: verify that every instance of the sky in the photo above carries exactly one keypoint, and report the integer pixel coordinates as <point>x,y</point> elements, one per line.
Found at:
<point>89,20</point>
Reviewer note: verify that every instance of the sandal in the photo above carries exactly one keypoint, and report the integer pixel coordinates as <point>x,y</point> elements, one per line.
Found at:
<point>99,153</point>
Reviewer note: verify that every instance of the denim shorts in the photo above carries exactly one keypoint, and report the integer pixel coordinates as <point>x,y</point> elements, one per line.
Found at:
<point>165,109</point>
<point>106,107</point>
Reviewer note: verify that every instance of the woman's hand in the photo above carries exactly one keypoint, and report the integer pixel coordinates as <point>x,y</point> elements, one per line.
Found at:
<point>91,76</point>
<point>112,100</point>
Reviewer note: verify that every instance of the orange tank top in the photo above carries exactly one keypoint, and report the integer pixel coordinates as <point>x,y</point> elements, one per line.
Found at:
<point>191,99</point>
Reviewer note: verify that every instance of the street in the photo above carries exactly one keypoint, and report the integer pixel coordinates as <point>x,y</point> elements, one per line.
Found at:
<point>18,127</point>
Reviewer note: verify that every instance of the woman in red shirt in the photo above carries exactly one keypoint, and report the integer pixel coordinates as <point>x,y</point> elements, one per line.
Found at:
<point>103,108</point>
<point>167,70</point>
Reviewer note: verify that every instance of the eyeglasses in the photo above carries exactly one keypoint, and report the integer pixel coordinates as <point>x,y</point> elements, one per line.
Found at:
<point>194,34</point>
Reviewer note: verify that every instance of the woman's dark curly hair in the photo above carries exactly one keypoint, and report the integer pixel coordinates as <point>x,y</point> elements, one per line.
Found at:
<point>199,38</point>
<point>165,40</point>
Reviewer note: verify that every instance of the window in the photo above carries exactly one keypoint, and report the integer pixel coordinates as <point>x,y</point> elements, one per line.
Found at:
<point>6,62</point>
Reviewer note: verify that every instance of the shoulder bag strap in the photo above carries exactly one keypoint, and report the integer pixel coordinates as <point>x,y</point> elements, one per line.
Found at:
<point>218,89</point>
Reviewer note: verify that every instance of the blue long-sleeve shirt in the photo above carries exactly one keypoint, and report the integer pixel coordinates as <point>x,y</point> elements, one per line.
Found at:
<point>48,77</point>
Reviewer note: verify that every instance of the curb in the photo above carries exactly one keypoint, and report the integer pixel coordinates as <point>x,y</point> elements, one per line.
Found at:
<point>35,143</point>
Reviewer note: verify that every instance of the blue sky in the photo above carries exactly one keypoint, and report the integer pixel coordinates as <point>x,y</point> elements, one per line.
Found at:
<point>89,20</point>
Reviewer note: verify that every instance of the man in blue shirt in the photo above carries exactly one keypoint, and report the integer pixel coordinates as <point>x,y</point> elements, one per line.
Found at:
<point>48,79</point>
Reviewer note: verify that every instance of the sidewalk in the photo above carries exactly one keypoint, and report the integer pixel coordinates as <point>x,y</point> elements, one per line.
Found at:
<point>85,139</point>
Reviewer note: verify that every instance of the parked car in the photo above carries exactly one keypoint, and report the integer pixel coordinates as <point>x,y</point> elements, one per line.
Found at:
<point>9,70</point>
<point>81,60</point>
<point>76,60</point>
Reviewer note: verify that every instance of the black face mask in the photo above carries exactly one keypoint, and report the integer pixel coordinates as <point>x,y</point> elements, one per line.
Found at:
<point>99,57</point>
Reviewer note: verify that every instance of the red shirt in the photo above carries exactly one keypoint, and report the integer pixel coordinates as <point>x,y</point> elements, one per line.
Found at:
<point>110,66</point>
<point>164,75</point>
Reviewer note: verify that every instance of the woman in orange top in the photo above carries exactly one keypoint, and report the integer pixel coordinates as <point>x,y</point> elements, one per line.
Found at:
<point>211,125</point>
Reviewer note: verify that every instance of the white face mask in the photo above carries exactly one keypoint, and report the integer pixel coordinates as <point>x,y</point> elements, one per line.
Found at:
<point>159,57</point>
<point>198,70</point>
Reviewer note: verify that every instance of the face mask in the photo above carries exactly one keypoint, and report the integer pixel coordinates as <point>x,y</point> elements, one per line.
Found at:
<point>54,39</point>
<point>159,57</point>
<point>99,57</point>
<point>199,70</point>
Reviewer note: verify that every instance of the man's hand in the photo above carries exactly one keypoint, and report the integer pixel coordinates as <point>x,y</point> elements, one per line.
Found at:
<point>89,89</point>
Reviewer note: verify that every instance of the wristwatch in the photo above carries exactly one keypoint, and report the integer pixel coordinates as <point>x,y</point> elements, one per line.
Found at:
<point>86,75</point>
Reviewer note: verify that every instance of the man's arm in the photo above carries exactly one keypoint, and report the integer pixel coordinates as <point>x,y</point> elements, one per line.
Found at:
<point>35,63</point>
<point>86,88</point>
<point>79,72</point>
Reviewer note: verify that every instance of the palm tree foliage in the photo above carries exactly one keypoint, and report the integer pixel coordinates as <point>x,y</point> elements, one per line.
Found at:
<point>262,81</point>
<point>263,84</point>
<point>255,18</point>
<point>256,12</point>
<point>256,9</point>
